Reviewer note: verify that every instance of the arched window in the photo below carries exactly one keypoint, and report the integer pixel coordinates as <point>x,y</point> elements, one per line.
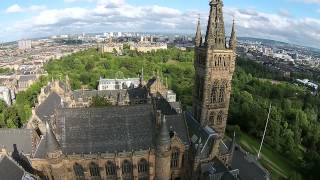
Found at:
<point>143,166</point>
<point>126,167</point>
<point>175,158</point>
<point>211,118</point>
<point>222,92</point>
<point>219,118</point>
<point>111,168</point>
<point>94,170</point>
<point>214,92</point>
<point>78,171</point>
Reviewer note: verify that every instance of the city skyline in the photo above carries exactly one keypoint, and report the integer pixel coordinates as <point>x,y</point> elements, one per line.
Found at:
<point>293,21</point>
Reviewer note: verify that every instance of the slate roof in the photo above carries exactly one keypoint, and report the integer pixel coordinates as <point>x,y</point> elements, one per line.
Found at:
<point>179,126</point>
<point>163,105</point>
<point>48,144</point>
<point>9,169</point>
<point>202,139</point>
<point>21,137</point>
<point>216,170</point>
<point>85,94</point>
<point>47,108</point>
<point>248,166</point>
<point>135,93</point>
<point>27,78</point>
<point>109,129</point>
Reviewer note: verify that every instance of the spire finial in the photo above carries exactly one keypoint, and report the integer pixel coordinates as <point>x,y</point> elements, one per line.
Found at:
<point>215,37</point>
<point>198,38</point>
<point>233,37</point>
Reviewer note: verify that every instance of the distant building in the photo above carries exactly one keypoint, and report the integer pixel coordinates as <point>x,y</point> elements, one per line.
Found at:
<point>308,83</point>
<point>6,95</point>
<point>268,52</point>
<point>112,47</point>
<point>25,44</point>
<point>25,81</point>
<point>148,47</point>
<point>118,84</point>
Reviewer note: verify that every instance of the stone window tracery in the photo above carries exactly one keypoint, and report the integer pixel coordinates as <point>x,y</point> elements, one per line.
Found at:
<point>219,118</point>
<point>214,92</point>
<point>111,168</point>
<point>94,170</point>
<point>143,166</point>
<point>126,167</point>
<point>78,171</point>
<point>175,158</point>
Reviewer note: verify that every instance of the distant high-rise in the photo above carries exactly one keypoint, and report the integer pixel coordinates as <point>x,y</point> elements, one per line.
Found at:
<point>25,44</point>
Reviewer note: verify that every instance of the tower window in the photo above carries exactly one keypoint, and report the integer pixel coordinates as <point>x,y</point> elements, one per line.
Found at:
<point>220,118</point>
<point>110,168</point>
<point>78,171</point>
<point>214,92</point>
<point>175,158</point>
<point>211,118</point>
<point>222,92</point>
<point>94,170</point>
<point>221,95</point>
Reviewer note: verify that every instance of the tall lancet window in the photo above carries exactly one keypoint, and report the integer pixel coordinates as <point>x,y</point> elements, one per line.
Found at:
<point>78,171</point>
<point>214,92</point>
<point>94,171</point>
<point>111,168</point>
<point>219,118</point>
<point>222,92</point>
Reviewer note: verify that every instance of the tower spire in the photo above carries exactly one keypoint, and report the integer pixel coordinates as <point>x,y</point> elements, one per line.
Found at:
<point>233,37</point>
<point>164,138</point>
<point>198,38</point>
<point>215,36</point>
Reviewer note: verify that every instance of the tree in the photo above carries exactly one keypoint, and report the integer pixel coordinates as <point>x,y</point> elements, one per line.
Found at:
<point>98,101</point>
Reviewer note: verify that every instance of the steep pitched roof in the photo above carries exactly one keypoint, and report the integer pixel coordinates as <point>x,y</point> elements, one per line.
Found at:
<point>248,166</point>
<point>48,144</point>
<point>177,124</point>
<point>46,109</point>
<point>10,170</point>
<point>202,138</point>
<point>109,129</point>
<point>21,137</point>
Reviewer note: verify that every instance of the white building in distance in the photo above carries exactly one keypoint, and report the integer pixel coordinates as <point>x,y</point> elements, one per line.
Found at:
<point>118,84</point>
<point>25,44</point>
<point>5,95</point>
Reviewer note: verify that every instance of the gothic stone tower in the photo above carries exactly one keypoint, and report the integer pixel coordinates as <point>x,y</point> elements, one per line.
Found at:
<point>214,64</point>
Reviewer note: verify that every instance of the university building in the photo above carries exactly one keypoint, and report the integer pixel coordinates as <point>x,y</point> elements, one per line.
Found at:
<point>145,134</point>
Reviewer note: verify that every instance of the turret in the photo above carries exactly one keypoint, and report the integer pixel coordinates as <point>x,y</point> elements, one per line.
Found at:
<point>215,36</point>
<point>233,38</point>
<point>198,38</point>
<point>163,152</point>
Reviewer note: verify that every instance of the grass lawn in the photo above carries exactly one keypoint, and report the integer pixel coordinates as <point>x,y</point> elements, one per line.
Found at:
<point>278,166</point>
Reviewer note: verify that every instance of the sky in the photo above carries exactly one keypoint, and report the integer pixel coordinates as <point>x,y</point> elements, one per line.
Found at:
<point>293,21</point>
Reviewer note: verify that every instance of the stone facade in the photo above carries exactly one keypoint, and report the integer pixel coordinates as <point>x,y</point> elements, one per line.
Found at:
<point>149,139</point>
<point>214,64</point>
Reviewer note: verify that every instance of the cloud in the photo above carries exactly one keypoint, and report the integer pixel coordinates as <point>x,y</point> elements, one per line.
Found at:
<point>305,31</point>
<point>14,9</point>
<point>312,1</point>
<point>18,9</point>
<point>118,15</point>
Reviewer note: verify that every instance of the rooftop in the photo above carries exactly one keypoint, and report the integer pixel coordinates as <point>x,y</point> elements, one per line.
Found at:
<point>109,129</point>
<point>21,137</point>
